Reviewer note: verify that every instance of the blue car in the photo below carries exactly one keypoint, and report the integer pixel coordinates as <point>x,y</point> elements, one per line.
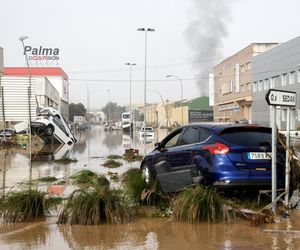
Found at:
<point>225,156</point>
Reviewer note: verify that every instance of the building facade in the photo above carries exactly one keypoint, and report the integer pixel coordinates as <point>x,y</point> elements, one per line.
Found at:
<point>278,68</point>
<point>179,113</point>
<point>232,84</point>
<point>56,79</point>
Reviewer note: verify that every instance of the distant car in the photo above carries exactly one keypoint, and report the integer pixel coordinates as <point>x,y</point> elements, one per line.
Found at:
<point>148,131</point>
<point>243,121</point>
<point>8,132</point>
<point>111,127</point>
<point>226,156</point>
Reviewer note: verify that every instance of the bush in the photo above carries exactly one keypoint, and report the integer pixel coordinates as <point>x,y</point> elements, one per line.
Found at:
<point>23,206</point>
<point>198,203</point>
<point>94,203</point>
<point>140,192</point>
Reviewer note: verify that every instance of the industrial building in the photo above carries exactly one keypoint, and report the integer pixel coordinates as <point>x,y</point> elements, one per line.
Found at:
<point>277,68</point>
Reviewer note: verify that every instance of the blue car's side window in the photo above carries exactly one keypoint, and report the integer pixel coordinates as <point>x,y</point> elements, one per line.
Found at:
<point>191,135</point>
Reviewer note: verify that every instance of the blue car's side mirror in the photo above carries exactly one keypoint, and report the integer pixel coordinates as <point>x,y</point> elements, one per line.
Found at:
<point>157,145</point>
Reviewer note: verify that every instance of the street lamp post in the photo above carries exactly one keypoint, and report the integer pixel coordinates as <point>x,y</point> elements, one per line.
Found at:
<point>145,30</point>
<point>162,100</point>
<point>108,98</point>
<point>181,91</point>
<point>22,38</point>
<point>130,94</point>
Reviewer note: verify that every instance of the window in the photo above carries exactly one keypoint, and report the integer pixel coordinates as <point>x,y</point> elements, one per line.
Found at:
<point>227,87</point>
<point>191,135</point>
<point>254,86</point>
<point>248,65</point>
<point>284,79</point>
<point>237,77</point>
<point>247,136</point>
<point>260,85</point>
<point>204,135</point>
<point>248,86</point>
<point>242,68</point>
<point>292,77</point>
<point>266,84</point>
<point>171,140</point>
<point>273,82</point>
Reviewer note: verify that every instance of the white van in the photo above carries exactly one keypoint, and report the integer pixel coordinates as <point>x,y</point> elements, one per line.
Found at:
<point>50,127</point>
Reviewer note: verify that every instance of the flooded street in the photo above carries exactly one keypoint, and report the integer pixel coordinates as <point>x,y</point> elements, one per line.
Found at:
<point>90,151</point>
<point>150,234</point>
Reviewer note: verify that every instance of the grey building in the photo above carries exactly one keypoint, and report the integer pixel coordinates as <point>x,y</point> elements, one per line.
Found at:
<point>277,68</point>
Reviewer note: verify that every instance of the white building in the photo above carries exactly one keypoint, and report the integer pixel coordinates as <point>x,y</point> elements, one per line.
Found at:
<point>49,85</point>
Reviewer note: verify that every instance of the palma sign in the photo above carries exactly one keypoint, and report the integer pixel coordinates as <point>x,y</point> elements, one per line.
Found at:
<point>41,53</point>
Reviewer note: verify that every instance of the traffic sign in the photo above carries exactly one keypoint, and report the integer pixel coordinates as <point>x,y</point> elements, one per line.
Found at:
<point>279,97</point>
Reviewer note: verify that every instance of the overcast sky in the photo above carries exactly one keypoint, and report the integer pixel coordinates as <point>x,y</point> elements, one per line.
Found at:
<point>96,38</point>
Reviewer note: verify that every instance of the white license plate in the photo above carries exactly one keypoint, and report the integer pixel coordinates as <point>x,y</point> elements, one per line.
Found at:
<point>259,155</point>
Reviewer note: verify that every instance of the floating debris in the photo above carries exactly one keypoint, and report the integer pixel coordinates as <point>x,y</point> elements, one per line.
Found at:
<point>112,164</point>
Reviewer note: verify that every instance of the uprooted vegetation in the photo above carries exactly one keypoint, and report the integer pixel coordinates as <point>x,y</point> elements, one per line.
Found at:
<point>197,204</point>
<point>110,163</point>
<point>139,191</point>
<point>26,204</point>
<point>94,204</point>
<point>65,160</point>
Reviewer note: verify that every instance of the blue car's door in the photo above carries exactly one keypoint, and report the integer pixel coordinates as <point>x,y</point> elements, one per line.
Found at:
<point>169,150</point>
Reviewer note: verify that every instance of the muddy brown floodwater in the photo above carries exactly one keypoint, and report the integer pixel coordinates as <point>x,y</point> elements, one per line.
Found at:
<point>90,152</point>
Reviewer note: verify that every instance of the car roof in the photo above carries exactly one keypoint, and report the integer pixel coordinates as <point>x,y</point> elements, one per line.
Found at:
<point>219,127</point>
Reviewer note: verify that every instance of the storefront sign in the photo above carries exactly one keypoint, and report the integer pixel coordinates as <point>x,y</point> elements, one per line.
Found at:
<point>41,53</point>
<point>201,116</point>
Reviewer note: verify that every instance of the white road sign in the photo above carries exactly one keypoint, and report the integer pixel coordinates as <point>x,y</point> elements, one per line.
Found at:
<point>278,97</point>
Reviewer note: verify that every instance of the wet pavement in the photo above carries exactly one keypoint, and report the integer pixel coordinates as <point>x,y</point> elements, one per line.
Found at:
<point>90,152</point>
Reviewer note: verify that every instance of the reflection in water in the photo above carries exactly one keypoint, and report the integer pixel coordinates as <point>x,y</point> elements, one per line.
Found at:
<point>143,234</point>
<point>52,152</point>
<point>112,139</point>
<point>31,236</point>
<point>81,143</point>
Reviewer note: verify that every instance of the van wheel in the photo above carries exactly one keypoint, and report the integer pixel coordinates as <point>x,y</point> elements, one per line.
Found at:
<point>147,174</point>
<point>49,130</point>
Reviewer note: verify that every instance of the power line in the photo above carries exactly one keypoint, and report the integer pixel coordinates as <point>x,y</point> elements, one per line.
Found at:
<point>248,72</point>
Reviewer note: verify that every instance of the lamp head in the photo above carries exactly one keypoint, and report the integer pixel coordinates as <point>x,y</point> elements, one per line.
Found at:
<point>22,38</point>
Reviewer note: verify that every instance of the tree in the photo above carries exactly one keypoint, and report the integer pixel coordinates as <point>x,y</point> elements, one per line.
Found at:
<point>76,110</point>
<point>114,109</point>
